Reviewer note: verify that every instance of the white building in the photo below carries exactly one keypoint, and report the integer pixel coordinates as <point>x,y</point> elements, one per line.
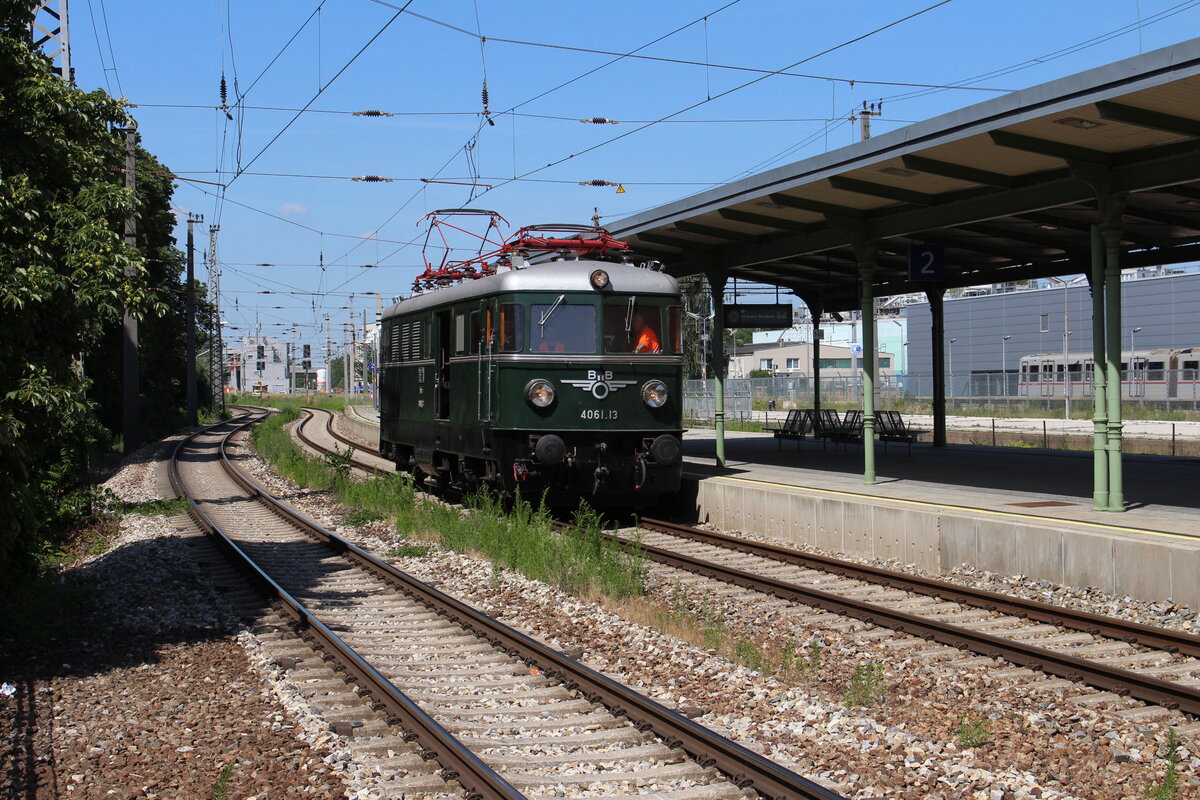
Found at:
<point>790,359</point>
<point>258,360</point>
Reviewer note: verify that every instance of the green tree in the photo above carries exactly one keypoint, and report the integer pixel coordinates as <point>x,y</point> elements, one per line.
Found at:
<point>62,282</point>
<point>696,300</point>
<point>161,337</point>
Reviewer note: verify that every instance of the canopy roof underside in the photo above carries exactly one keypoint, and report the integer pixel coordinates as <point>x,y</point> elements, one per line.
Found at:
<point>1008,187</point>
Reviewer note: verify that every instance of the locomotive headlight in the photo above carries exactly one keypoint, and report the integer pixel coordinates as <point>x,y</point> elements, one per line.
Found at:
<point>540,392</point>
<point>599,279</point>
<point>654,394</point>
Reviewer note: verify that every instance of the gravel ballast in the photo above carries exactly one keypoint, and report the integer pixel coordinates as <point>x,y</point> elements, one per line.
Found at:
<point>158,696</point>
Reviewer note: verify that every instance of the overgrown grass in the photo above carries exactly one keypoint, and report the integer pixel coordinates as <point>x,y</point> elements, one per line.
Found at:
<point>866,686</point>
<point>578,561</point>
<point>221,787</point>
<point>362,516</point>
<point>698,620</point>
<point>1168,787</point>
<point>974,732</point>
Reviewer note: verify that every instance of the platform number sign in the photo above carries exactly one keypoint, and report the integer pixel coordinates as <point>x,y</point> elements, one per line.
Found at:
<point>927,262</point>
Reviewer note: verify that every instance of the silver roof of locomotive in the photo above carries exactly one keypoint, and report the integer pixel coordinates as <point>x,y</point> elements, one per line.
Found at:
<point>550,276</point>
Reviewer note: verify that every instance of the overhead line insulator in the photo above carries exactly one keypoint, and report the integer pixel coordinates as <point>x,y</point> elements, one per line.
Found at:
<point>373,112</point>
<point>372,179</point>
<point>600,121</point>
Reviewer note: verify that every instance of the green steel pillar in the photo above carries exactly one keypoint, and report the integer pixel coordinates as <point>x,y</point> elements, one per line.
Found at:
<point>816,307</point>
<point>1112,337</point>
<point>937,313</point>
<point>717,283</point>
<point>1099,379</point>
<point>866,270</point>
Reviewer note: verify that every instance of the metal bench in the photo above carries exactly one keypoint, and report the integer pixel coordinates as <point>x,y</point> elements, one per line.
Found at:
<point>792,417</point>
<point>851,429</point>
<point>797,425</point>
<point>891,428</point>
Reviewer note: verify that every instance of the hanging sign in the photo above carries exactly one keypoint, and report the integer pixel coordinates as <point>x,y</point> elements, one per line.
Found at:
<point>926,262</point>
<point>758,315</point>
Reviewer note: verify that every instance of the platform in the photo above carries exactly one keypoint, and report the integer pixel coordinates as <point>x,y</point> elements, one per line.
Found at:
<point>1004,509</point>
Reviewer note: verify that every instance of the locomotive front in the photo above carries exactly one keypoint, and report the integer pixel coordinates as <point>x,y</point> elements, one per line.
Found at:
<point>589,378</point>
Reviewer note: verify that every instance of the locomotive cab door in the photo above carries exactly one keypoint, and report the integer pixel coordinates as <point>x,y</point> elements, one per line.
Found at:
<point>442,366</point>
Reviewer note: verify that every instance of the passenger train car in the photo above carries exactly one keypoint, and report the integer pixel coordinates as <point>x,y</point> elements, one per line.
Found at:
<point>1159,374</point>
<point>562,377</point>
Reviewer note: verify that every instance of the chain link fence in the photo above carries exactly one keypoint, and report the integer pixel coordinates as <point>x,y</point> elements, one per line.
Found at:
<point>1170,390</point>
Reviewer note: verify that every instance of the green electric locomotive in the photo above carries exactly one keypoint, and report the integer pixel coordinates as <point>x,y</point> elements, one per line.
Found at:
<point>561,378</point>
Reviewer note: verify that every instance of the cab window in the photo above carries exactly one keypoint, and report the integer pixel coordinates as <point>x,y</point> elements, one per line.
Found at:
<point>512,328</point>
<point>632,327</point>
<point>559,327</point>
<point>675,329</point>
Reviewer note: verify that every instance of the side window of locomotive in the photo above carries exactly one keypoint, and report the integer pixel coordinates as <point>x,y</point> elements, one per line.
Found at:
<point>630,327</point>
<point>562,328</point>
<point>460,333</point>
<point>512,328</point>
<point>476,332</point>
<point>675,329</point>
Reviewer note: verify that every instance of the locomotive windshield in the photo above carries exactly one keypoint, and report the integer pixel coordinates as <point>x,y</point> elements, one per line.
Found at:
<point>634,327</point>
<point>560,327</point>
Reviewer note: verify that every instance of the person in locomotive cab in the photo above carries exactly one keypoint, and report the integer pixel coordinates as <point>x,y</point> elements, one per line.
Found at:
<point>551,340</point>
<point>647,338</point>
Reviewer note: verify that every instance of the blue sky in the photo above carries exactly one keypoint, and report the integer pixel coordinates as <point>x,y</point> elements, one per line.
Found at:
<point>168,59</point>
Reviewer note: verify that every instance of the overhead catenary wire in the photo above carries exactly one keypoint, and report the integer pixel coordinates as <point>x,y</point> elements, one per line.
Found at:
<point>730,91</point>
<point>538,96</point>
<point>320,91</point>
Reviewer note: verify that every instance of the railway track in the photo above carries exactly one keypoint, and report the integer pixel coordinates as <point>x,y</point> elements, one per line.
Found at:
<point>1155,665</point>
<point>503,715</point>
<point>1117,656</point>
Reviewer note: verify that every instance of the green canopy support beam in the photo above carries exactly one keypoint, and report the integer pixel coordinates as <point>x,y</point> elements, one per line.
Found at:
<point>935,296</point>
<point>1112,337</point>
<point>1110,201</point>
<point>866,253</point>
<point>716,280</point>
<point>866,256</point>
<point>1099,378</point>
<point>816,307</point>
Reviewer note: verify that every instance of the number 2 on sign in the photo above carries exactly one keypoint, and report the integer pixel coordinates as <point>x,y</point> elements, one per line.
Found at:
<point>927,259</point>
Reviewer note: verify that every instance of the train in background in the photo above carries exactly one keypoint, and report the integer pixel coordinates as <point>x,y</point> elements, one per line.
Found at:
<point>552,366</point>
<point>1155,374</point>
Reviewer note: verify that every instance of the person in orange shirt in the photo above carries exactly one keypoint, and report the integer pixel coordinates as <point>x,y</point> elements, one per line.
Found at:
<point>551,341</point>
<point>647,340</point>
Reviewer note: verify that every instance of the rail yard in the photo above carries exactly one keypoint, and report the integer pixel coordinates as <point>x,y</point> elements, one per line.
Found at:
<point>579,512</point>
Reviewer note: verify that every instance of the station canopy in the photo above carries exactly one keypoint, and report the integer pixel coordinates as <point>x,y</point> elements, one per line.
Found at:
<point>1007,188</point>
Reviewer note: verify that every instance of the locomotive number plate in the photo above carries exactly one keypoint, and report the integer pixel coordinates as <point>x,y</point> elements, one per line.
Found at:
<point>598,413</point>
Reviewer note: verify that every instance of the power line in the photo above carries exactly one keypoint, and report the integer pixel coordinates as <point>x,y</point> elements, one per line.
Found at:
<point>747,84</point>
<point>575,118</point>
<point>346,66</point>
<point>525,102</point>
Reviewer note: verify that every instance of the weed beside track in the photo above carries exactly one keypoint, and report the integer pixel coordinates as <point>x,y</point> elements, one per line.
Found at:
<point>522,538</point>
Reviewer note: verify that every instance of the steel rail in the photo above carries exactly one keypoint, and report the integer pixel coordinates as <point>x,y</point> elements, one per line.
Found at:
<point>1119,681</point>
<point>744,767</point>
<point>329,427</point>
<point>1096,624</point>
<point>458,762</point>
